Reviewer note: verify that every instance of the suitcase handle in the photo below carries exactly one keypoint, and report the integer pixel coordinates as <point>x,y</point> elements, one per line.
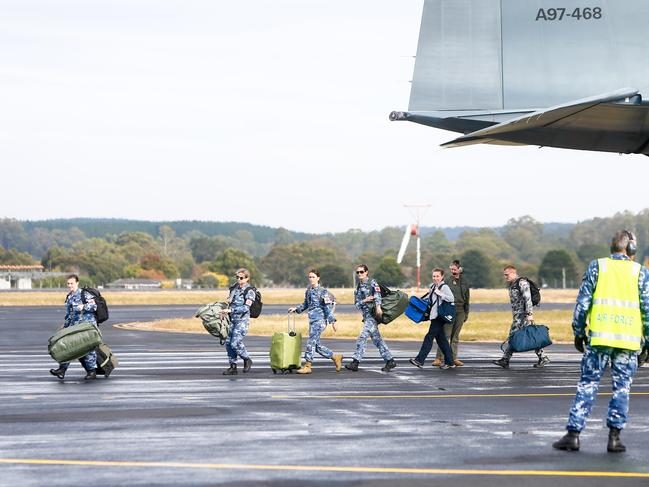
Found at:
<point>291,328</point>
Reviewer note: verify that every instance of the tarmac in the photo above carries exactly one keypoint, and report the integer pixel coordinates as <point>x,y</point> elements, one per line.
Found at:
<point>167,416</point>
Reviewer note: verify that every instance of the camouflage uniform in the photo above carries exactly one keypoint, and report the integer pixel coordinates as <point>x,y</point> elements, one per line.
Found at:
<point>73,317</point>
<point>239,321</point>
<point>596,358</point>
<point>370,326</point>
<point>521,301</point>
<point>318,302</point>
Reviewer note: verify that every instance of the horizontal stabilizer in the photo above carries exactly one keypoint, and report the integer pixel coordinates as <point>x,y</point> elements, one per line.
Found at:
<point>573,112</point>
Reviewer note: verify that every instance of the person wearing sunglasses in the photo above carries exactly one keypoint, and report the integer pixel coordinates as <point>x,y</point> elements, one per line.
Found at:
<point>320,305</point>
<point>367,292</point>
<point>241,298</point>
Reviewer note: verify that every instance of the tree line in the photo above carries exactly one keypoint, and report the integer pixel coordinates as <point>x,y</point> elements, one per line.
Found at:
<point>553,254</point>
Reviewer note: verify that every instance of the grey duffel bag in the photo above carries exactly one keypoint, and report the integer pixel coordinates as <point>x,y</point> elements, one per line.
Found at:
<point>74,341</point>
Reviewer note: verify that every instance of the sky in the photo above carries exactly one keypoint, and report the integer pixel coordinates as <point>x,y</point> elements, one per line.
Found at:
<point>268,112</point>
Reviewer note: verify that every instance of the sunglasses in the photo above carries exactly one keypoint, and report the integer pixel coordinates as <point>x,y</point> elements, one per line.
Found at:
<point>360,272</point>
<point>241,278</point>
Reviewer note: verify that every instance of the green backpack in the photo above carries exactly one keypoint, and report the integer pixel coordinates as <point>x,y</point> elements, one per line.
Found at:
<point>216,324</point>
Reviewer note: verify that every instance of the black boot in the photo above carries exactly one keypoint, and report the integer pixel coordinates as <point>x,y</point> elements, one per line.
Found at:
<point>569,442</point>
<point>91,375</point>
<point>60,373</point>
<point>389,365</point>
<point>231,371</point>
<point>247,363</point>
<point>353,365</point>
<point>614,443</point>
<point>503,362</point>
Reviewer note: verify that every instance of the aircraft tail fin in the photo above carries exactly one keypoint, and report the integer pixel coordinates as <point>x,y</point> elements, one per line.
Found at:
<point>458,64</point>
<point>515,55</point>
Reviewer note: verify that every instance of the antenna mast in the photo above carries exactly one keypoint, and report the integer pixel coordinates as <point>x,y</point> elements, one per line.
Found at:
<point>417,211</point>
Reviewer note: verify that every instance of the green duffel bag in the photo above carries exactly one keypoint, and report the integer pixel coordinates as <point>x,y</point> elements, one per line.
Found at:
<point>74,341</point>
<point>393,305</point>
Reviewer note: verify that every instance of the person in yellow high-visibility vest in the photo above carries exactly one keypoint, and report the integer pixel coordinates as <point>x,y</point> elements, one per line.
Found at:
<point>614,299</point>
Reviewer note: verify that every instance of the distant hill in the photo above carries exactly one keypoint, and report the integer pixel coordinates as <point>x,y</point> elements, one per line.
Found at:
<point>100,227</point>
<point>557,230</point>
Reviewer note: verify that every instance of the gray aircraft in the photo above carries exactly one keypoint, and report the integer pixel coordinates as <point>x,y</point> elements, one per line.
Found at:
<point>555,73</point>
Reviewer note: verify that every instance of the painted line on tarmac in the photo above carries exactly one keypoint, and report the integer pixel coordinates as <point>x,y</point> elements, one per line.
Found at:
<point>323,468</point>
<point>441,396</point>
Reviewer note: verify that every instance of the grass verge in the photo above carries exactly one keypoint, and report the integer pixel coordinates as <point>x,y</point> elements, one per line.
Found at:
<point>483,327</point>
<point>270,296</point>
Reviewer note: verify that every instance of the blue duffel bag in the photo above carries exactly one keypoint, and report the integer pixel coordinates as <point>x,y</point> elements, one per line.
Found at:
<point>418,309</point>
<point>530,337</point>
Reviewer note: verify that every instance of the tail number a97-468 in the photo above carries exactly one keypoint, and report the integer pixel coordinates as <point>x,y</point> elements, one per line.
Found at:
<point>579,13</point>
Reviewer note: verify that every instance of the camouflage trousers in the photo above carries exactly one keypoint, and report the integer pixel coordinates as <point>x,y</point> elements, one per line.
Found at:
<point>89,361</point>
<point>519,322</point>
<point>371,330</point>
<point>313,343</point>
<point>234,343</point>
<point>624,364</point>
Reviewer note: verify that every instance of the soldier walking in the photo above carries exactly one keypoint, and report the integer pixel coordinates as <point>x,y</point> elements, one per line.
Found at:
<point>79,309</point>
<point>319,303</point>
<point>520,297</point>
<point>241,298</point>
<point>614,299</point>
<point>368,291</point>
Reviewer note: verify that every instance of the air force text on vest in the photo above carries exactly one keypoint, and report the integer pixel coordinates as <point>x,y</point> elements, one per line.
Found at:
<point>614,318</point>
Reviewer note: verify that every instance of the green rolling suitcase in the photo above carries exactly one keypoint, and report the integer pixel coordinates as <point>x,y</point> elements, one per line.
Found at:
<point>285,349</point>
<point>74,341</point>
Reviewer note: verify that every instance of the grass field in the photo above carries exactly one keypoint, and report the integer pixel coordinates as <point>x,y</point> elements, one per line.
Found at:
<point>484,326</point>
<point>270,296</point>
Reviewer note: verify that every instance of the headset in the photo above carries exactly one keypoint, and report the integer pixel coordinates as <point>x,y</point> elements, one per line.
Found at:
<point>632,246</point>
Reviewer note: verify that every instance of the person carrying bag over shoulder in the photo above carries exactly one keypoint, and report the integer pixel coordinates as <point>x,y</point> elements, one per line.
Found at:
<point>440,296</point>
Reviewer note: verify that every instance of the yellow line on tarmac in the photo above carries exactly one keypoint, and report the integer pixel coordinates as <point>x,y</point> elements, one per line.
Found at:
<point>323,468</point>
<point>440,396</point>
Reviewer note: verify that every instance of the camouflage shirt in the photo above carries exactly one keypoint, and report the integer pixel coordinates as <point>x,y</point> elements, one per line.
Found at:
<point>364,289</point>
<point>319,303</point>
<point>520,297</point>
<point>240,304</point>
<point>72,313</point>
